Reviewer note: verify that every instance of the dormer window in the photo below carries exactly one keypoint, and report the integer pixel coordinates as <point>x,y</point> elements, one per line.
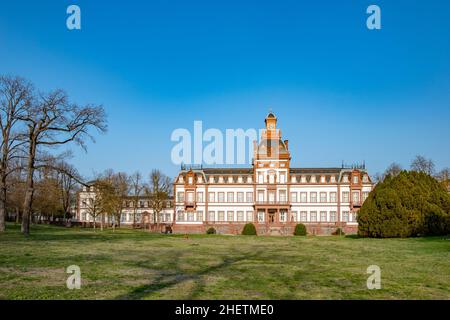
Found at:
<point>211,179</point>
<point>303,180</point>
<point>333,179</point>
<point>345,178</point>
<point>180,179</point>
<point>230,179</point>
<point>355,179</point>
<point>293,179</point>
<point>240,179</point>
<point>365,178</point>
<point>200,179</point>
<point>313,179</point>
<point>249,180</point>
<point>322,179</point>
<point>220,179</point>
<point>190,180</point>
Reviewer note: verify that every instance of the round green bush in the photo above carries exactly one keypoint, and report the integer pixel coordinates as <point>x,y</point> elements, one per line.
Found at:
<point>300,230</point>
<point>338,232</point>
<point>211,230</point>
<point>407,205</point>
<point>249,230</point>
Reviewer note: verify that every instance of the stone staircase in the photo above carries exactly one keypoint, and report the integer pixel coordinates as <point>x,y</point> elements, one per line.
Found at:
<point>275,231</point>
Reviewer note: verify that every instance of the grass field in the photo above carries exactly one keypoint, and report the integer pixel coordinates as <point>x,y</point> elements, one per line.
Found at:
<point>133,264</point>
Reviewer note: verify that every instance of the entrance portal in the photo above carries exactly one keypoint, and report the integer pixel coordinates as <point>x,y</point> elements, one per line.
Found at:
<point>272,216</point>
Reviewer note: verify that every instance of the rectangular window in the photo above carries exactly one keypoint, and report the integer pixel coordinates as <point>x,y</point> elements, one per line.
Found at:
<point>261,196</point>
<point>313,216</point>
<point>199,196</point>
<point>220,197</point>
<point>313,196</point>
<point>345,196</point>
<point>365,195</point>
<point>303,197</point>
<point>283,216</point>
<point>180,216</point>
<point>333,216</point>
<point>323,216</point>
<point>250,216</point>
<point>293,196</point>
<point>355,197</point>
<point>282,178</point>
<point>190,197</point>
<point>345,216</point>
<point>282,195</point>
<point>260,178</point>
<point>323,197</point>
<point>303,216</point>
<point>294,216</point>
<point>230,196</point>
<point>180,196</point>
<point>199,216</point>
<point>230,215</point>
<point>211,197</point>
<point>240,197</point>
<point>190,216</point>
<point>240,215</point>
<point>249,196</point>
<point>271,178</point>
<point>211,216</point>
<point>260,216</point>
<point>333,197</point>
<point>221,216</point>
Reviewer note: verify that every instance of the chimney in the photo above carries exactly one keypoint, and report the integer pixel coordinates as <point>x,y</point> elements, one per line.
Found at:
<point>286,142</point>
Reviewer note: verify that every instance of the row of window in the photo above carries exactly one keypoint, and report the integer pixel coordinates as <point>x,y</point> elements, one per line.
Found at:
<point>315,216</point>
<point>302,197</point>
<point>280,178</point>
<point>126,217</point>
<point>244,216</point>
<point>215,216</point>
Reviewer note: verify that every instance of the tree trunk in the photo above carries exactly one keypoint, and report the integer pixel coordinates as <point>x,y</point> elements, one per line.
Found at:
<point>28,202</point>
<point>2,206</point>
<point>17,214</point>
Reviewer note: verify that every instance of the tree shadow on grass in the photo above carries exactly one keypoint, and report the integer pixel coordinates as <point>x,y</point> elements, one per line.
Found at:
<point>165,280</point>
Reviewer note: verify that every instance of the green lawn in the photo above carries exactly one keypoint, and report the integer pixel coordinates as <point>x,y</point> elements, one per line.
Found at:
<point>133,264</point>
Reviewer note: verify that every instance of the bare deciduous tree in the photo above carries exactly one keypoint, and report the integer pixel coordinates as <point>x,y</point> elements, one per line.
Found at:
<point>53,121</point>
<point>137,188</point>
<point>393,170</point>
<point>15,99</point>
<point>158,191</point>
<point>421,164</point>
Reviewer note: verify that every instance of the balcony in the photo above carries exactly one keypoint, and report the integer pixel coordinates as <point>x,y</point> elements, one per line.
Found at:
<point>272,203</point>
<point>189,204</point>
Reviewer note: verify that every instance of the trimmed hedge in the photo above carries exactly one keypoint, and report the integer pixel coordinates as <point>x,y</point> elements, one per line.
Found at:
<point>211,230</point>
<point>300,230</point>
<point>249,230</point>
<point>407,205</point>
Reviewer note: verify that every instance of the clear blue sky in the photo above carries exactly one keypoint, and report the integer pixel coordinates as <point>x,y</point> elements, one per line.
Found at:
<point>340,91</point>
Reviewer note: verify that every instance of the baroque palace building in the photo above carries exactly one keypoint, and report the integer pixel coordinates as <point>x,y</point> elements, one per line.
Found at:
<point>271,194</point>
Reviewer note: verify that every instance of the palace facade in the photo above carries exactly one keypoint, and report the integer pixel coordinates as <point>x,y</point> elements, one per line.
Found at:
<point>271,194</point>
